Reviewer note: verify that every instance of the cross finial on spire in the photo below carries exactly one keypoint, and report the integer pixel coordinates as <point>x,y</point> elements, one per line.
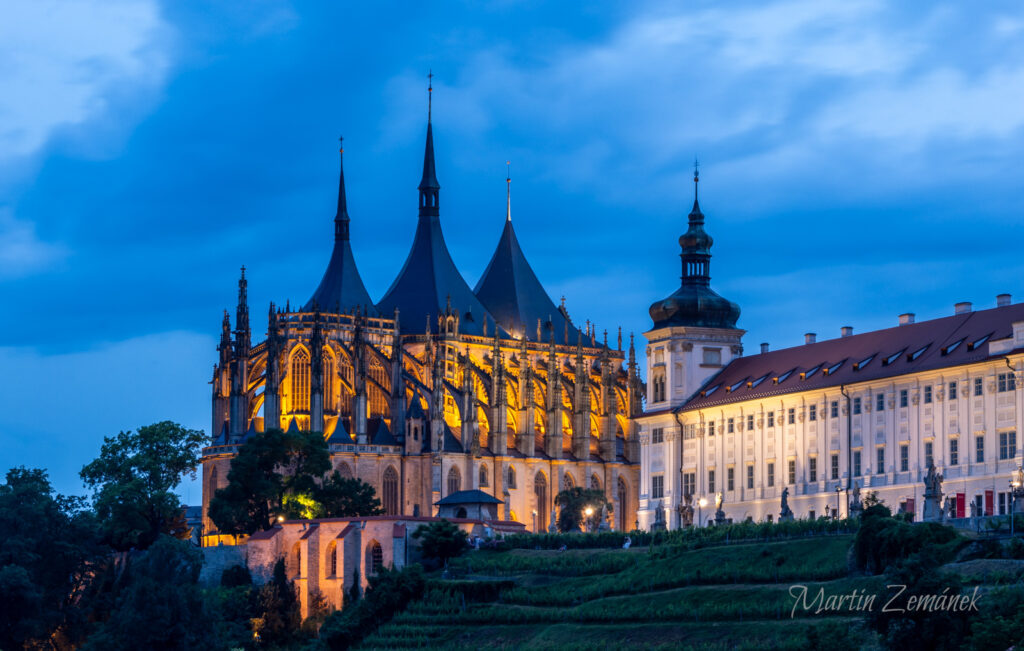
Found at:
<point>341,144</point>
<point>696,176</point>
<point>508,191</point>
<point>430,93</point>
<point>243,271</point>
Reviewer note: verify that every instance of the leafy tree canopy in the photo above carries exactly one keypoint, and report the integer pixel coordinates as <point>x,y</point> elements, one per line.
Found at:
<point>572,506</point>
<point>133,481</point>
<point>441,540</point>
<point>47,542</point>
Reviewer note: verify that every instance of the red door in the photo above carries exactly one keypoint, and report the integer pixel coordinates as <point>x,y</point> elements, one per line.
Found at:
<point>910,505</point>
<point>988,503</point>
<point>961,505</point>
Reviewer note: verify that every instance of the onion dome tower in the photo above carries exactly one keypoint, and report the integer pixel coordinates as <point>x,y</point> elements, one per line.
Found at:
<point>512,293</point>
<point>695,303</point>
<point>341,288</point>
<point>429,284</point>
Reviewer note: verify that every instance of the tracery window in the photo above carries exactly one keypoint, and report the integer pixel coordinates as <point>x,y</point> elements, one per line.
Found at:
<point>511,481</point>
<point>389,491</point>
<point>300,381</point>
<point>376,557</point>
<point>483,475</point>
<point>540,490</point>
<point>454,480</point>
<point>330,402</point>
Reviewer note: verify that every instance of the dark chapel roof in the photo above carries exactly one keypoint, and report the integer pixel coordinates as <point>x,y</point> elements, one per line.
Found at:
<point>429,281</point>
<point>341,288</point>
<point>514,296</point>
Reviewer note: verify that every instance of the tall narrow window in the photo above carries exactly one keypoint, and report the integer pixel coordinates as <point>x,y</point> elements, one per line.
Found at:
<point>954,452</point>
<point>904,399</point>
<point>856,406</point>
<point>771,473</point>
<point>510,481</point>
<point>812,413</point>
<point>389,492</point>
<point>332,558</point>
<point>483,475</point>
<point>880,460</point>
<point>376,557</point>
<point>622,504</point>
<point>929,454</point>
<point>1007,445</point>
<point>300,381</point>
<point>657,487</point>
<point>330,403</point>
<point>540,491</point>
<point>750,477</point>
<point>771,419</point>
<point>978,386</point>
<point>904,457</point>
<point>792,471</point>
<point>834,409</point>
<point>856,463</point>
<point>711,481</point>
<point>880,402</point>
<point>454,480</point>
<point>952,390</point>
<point>928,395</point>
<point>791,416</point>
<point>750,422</point>
<point>689,483</point>
<point>979,449</point>
<point>730,478</point>
<point>812,469</point>
<point>835,465</point>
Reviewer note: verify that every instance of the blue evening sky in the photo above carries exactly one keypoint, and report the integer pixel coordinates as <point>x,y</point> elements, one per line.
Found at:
<point>858,160</point>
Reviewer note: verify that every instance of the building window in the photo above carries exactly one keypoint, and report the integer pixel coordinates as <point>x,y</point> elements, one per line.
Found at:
<point>511,477</point>
<point>928,395</point>
<point>952,390</point>
<point>300,381</point>
<point>658,435</point>
<point>657,487</point>
<point>332,558</point>
<point>979,449</point>
<point>711,428</point>
<point>389,491</point>
<point>834,409</point>
<point>730,426</point>
<point>856,463</point>
<point>689,483</point>
<point>729,479</point>
<point>978,386</point>
<point>540,490</point>
<point>1007,445</point>
<point>712,356</point>
<point>812,469</point>
<point>792,471</point>
<point>904,457</point>
<point>880,460</point>
<point>454,480</point>
<point>750,477</point>
<point>903,398</point>
<point>791,416</point>
<point>689,432</point>
<point>771,473</point>
<point>658,386</point>
<point>1005,382</point>
<point>856,406</point>
<point>929,454</point>
<point>483,475</point>
<point>376,557</point>
<point>711,480</point>
<point>750,422</point>
<point>835,465</point>
<point>812,413</point>
<point>771,419</point>
<point>954,452</point>
<point>880,402</point>
<point>1002,503</point>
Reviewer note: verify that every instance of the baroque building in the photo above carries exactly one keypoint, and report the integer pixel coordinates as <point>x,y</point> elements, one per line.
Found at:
<point>437,387</point>
<point>868,412</point>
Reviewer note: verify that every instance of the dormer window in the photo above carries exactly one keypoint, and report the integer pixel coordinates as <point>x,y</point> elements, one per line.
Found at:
<point>835,367</point>
<point>917,353</point>
<point>759,380</point>
<point>806,375</point>
<point>782,378</point>
<point>737,385</point>
<point>953,346</point>
<point>864,362</point>
<point>978,343</point>
<point>892,358</point>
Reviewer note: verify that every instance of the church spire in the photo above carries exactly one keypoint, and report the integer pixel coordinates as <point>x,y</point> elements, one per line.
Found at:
<point>429,187</point>
<point>341,217</point>
<point>243,337</point>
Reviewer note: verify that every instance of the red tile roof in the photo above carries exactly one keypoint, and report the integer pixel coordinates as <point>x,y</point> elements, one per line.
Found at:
<point>929,345</point>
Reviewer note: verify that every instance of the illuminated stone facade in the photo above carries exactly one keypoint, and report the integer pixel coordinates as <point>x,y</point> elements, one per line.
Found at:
<point>869,411</point>
<point>436,388</point>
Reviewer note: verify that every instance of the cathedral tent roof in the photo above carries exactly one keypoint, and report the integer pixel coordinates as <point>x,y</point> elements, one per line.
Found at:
<point>341,288</point>
<point>429,280</point>
<point>902,350</point>
<point>514,296</point>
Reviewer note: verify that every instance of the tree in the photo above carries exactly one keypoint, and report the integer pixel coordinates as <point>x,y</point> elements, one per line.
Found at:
<point>133,481</point>
<point>160,605</point>
<point>572,504</point>
<point>279,612</point>
<point>48,545</point>
<point>342,497</point>
<point>441,540</point>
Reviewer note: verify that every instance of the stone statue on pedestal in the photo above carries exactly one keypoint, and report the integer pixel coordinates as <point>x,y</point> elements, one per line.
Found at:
<point>605,520</point>
<point>553,527</point>
<point>932,511</point>
<point>786,513</point>
<point>719,513</point>
<point>659,518</point>
<point>949,506</point>
<point>856,504</point>
<point>686,511</point>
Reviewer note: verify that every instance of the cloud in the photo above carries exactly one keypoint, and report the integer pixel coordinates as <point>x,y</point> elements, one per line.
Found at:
<point>62,61</point>
<point>22,253</point>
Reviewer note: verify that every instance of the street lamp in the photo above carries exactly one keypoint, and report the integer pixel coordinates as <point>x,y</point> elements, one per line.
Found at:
<point>535,521</point>
<point>701,503</point>
<point>1016,481</point>
<point>587,512</point>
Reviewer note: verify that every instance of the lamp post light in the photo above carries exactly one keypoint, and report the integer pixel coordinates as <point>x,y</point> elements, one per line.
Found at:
<point>535,521</point>
<point>1016,481</point>
<point>701,503</point>
<point>587,512</point>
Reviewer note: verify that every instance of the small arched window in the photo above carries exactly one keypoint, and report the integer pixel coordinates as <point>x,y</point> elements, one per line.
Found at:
<point>300,381</point>
<point>483,475</point>
<point>376,557</point>
<point>454,480</point>
<point>595,482</point>
<point>296,557</point>
<point>389,491</point>
<point>511,480</point>
<point>332,558</point>
<point>568,482</point>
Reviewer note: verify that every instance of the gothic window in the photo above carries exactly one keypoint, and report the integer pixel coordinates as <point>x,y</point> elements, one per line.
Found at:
<point>622,504</point>
<point>300,381</point>
<point>345,471</point>
<point>454,480</point>
<point>375,557</point>
<point>540,490</point>
<point>377,399</point>
<point>330,403</point>
<point>510,481</point>
<point>658,386</point>
<point>595,483</point>
<point>567,482</point>
<point>389,491</point>
<point>332,558</point>
<point>483,475</point>
<point>296,560</point>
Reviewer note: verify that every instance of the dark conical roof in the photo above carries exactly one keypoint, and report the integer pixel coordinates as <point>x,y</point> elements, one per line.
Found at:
<point>341,287</point>
<point>429,279</point>
<point>514,296</point>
